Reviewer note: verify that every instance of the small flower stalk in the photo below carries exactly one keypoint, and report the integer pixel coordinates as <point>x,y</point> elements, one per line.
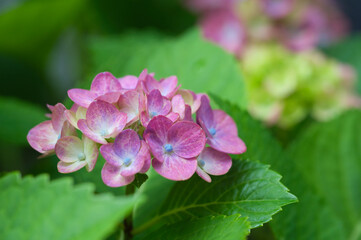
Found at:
<point>135,123</point>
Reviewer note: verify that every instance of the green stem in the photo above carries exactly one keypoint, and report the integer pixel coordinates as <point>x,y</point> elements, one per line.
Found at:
<point>128,222</point>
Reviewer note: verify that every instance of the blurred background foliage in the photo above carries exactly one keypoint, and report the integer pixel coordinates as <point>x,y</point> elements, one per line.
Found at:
<point>49,46</point>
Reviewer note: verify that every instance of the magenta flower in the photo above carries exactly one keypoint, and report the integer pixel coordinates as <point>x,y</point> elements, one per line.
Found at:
<point>75,154</point>
<point>103,121</point>
<point>225,29</point>
<point>127,156</point>
<point>104,86</point>
<point>44,136</point>
<point>167,86</point>
<point>277,8</point>
<point>174,146</point>
<point>213,162</point>
<point>132,103</point>
<point>190,98</point>
<point>157,105</point>
<point>221,130</point>
<point>128,82</point>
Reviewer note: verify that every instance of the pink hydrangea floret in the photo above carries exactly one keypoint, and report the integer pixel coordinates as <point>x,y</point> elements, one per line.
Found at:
<point>136,123</point>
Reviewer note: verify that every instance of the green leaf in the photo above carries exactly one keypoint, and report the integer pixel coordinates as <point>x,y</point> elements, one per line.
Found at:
<point>348,51</point>
<point>34,208</point>
<point>231,227</point>
<point>329,157</point>
<point>311,218</point>
<point>17,118</point>
<point>249,189</point>
<point>34,25</point>
<point>140,179</point>
<point>199,65</point>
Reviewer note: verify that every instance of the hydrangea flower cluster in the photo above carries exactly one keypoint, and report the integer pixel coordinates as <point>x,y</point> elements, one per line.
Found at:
<point>297,24</point>
<point>284,87</point>
<point>137,122</point>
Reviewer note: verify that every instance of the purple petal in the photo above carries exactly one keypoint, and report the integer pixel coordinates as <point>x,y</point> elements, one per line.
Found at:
<point>105,119</point>
<point>203,174</point>
<point>156,135</point>
<point>57,117</point>
<point>227,144</point>
<point>83,127</point>
<point>156,104</point>
<point>91,153</point>
<point>108,153</point>
<point>105,82</point>
<point>112,178</point>
<point>139,162</point>
<point>127,144</point>
<point>64,167</point>
<point>214,162</point>
<point>150,84</point>
<point>187,139</point>
<point>205,113</point>
<point>144,119</point>
<point>175,168</point>
<point>128,82</point>
<point>70,149</point>
<point>82,97</point>
<point>42,137</point>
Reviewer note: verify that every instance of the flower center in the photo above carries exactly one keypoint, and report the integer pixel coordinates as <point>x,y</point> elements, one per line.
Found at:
<point>168,148</point>
<point>201,163</point>
<point>103,132</point>
<point>212,131</point>
<point>153,114</point>
<point>127,161</point>
<point>81,156</point>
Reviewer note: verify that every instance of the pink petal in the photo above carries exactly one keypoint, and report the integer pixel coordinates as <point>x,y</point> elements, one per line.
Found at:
<point>83,127</point>
<point>187,139</point>
<point>111,176</point>
<point>110,97</point>
<point>105,82</point>
<point>139,163</point>
<point>57,117</point>
<point>128,82</point>
<point>64,167</point>
<point>150,84</point>
<point>178,105</point>
<point>203,174</point>
<point>227,144</point>
<point>110,156</point>
<point>82,97</point>
<point>143,75</point>
<point>144,119</point>
<point>168,86</point>
<point>188,113</point>
<point>173,116</point>
<point>91,153</point>
<point>127,144</point>
<point>144,152</point>
<point>224,123</point>
<point>42,137</point>
<point>156,135</point>
<point>215,162</point>
<point>131,103</point>
<point>175,168</point>
<point>104,119</point>
<point>277,8</point>
<point>70,149</point>
<point>205,113</point>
